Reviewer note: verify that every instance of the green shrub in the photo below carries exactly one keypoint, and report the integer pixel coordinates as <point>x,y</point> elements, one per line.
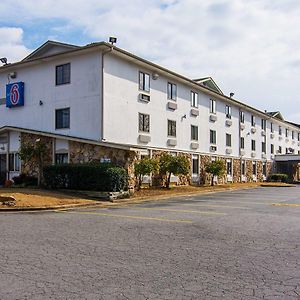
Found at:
<point>25,180</point>
<point>94,177</point>
<point>278,177</point>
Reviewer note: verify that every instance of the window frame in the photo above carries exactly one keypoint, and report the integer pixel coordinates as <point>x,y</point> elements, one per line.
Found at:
<point>15,164</point>
<point>228,111</point>
<point>212,106</point>
<point>253,145</point>
<point>194,99</point>
<point>213,137</point>
<point>228,140</point>
<point>142,129</point>
<point>171,128</point>
<point>142,81</point>
<point>57,82</point>
<point>242,117</point>
<point>242,142</point>
<point>194,129</point>
<point>229,167</point>
<point>172,91</point>
<point>56,118</point>
<point>263,147</point>
<point>56,155</point>
<point>253,121</point>
<point>263,124</point>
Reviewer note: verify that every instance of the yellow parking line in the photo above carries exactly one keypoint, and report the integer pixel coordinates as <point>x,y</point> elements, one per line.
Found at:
<point>240,202</point>
<point>180,210</point>
<point>212,205</point>
<point>286,204</point>
<point>126,216</point>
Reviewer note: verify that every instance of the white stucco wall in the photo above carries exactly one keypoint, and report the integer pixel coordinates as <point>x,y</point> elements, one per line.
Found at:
<point>82,95</point>
<point>122,107</point>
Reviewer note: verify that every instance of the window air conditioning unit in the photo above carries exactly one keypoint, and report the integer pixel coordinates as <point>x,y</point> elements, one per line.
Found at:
<point>213,118</point>
<point>144,97</point>
<point>213,148</point>
<point>228,122</point>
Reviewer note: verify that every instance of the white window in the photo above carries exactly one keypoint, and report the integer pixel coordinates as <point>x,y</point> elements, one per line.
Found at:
<point>229,166</point>
<point>14,162</point>
<point>228,140</point>
<point>213,137</point>
<point>254,167</point>
<point>194,99</point>
<point>212,106</point>
<point>195,164</point>
<point>194,132</point>
<point>172,91</point>
<point>263,124</point>
<point>228,111</point>
<point>242,117</point>
<point>144,82</point>
<point>252,120</point>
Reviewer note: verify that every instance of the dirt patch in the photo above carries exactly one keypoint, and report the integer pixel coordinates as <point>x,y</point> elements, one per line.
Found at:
<point>186,190</point>
<point>41,198</point>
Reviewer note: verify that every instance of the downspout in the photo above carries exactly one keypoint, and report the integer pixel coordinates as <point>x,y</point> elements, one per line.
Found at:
<point>102,91</point>
<point>240,151</point>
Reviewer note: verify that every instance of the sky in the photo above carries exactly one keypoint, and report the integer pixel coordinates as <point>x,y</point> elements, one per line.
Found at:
<point>249,47</point>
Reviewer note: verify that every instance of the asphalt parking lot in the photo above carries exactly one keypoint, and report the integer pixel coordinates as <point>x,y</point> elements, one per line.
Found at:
<point>242,244</point>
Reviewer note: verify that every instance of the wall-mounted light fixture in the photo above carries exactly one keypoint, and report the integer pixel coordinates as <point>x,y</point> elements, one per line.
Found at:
<point>12,75</point>
<point>3,60</point>
<point>231,95</point>
<point>112,40</point>
<point>155,76</point>
<point>41,102</point>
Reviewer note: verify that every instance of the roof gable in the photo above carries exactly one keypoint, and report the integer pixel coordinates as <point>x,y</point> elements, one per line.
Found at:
<point>275,114</point>
<point>50,48</point>
<point>210,83</point>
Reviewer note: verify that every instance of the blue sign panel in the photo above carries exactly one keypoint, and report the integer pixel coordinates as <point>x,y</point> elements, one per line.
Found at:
<point>15,94</point>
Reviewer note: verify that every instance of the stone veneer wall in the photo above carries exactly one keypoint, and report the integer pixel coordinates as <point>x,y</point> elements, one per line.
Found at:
<point>31,167</point>
<point>236,168</point>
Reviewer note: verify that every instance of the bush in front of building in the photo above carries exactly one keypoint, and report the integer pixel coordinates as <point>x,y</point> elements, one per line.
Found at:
<point>277,177</point>
<point>93,177</point>
<point>145,166</point>
<point>176,165</point>
<point>25,180</point>
<point>215,168</point>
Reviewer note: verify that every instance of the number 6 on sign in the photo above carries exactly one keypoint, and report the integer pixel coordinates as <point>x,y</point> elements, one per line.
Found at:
<point>15,94</point>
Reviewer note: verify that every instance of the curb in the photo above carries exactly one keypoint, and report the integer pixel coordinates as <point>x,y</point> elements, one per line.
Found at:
<point>41,208</point>
<point>120,202</point>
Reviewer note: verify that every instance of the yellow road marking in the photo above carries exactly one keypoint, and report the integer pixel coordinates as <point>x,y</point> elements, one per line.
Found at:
<point>126,216</point>
<point>180,210</point>
<point>285,204</point>
<point>212,205</point>
<point>246,202</point>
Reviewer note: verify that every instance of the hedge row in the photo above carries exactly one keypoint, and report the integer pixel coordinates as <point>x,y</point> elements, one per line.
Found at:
<point>94,177</point>
<point>278,178</point>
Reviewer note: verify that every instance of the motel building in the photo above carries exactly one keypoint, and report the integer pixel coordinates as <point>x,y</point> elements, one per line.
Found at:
<point>101,103</point>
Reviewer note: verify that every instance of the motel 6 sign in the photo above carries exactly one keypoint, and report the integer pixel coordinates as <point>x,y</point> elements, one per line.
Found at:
<point>15,94</point>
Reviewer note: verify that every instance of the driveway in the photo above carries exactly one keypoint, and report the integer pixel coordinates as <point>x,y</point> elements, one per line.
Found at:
<point>241,244</point>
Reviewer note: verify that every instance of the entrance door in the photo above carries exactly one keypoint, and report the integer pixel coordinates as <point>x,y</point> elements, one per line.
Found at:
<point>2,168</point>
